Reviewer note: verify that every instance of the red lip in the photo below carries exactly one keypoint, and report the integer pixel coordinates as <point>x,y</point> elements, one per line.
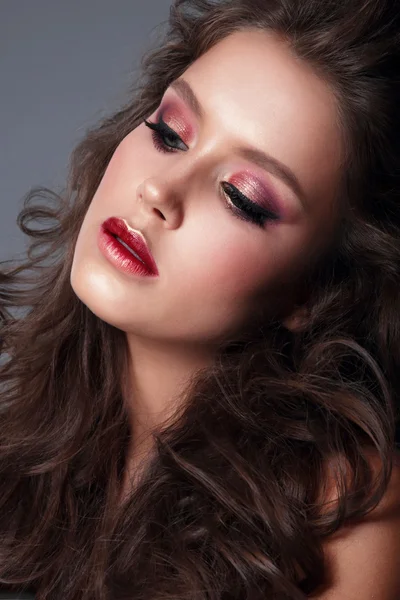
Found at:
<point>132,239</point>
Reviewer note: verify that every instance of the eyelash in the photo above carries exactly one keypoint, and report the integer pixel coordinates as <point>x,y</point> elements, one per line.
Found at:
<point>242,208</point>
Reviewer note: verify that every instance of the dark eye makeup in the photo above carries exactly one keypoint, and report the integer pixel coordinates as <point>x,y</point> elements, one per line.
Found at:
<point>167,140</point>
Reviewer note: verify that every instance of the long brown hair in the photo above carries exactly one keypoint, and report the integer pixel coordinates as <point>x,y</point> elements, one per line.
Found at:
<point>230,506</point>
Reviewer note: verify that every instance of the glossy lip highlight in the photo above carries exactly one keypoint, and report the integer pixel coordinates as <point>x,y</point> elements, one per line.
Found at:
<point>133,238</point>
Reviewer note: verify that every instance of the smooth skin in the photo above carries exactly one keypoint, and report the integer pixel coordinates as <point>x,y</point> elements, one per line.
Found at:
<point>217,272</point>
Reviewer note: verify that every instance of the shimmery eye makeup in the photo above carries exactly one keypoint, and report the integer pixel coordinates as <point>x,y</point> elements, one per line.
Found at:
<point>161,133</point>
<point>166,140</point>
<point>240,205</point>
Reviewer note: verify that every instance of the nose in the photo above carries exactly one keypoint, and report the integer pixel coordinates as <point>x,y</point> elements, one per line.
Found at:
<point>161,200</point>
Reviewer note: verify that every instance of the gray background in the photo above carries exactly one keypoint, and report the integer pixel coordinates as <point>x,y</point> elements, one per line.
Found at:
<point>63,65</point>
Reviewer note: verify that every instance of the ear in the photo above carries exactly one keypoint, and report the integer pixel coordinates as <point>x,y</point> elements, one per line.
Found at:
<point>296,319</point>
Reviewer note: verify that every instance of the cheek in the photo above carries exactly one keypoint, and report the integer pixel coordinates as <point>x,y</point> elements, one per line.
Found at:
<point>226,261</point>
<point>116,176</point>
<point>133,159</point>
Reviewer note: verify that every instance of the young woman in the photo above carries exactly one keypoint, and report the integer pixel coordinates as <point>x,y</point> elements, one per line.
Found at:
<point>201,352</point>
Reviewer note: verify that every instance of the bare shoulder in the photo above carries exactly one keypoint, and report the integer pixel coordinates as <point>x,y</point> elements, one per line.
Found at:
<point>391,499</point>
<point>363,559</point>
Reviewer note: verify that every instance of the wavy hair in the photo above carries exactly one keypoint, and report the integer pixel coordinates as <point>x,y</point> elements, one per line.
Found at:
<point>231,505</point>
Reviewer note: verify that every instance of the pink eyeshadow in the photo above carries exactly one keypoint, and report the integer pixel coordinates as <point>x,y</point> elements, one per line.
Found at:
<point>256,190</point>
<point>173,118</point>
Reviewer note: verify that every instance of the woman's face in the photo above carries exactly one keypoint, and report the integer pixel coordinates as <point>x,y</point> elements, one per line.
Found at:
<point>247,113</point>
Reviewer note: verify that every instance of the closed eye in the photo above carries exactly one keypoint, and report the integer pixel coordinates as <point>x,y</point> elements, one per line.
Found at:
<point>166,140</point>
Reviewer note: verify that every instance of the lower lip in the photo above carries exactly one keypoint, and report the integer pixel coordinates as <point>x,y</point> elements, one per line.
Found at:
<point>119,256</point>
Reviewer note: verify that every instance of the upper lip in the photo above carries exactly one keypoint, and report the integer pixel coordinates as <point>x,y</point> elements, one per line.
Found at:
<point>132,238</point>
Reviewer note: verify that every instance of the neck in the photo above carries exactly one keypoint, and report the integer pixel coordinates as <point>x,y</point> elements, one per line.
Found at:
<point>156,377</point>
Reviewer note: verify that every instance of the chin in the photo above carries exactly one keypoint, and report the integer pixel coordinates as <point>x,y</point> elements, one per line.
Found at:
<point>88,291</point>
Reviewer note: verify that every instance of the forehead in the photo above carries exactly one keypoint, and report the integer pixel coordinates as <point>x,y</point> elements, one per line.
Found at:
<point>253,87</point>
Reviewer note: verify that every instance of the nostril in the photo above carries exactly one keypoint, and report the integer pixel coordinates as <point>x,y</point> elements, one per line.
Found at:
<point>160,213</point>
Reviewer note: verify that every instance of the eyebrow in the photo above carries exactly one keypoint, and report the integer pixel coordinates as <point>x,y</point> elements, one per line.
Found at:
<point>258,157</point>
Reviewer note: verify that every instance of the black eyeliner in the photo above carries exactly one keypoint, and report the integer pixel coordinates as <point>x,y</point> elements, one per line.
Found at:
<point>242,207</point>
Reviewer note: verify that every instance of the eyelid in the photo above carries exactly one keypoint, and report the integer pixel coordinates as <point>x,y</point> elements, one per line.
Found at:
<point>257,188</point>
<point>167,129</point>
<point>183,91</point>
<point>269,200</point>
<point>270,212</point>
<point>161,129</point>
<point>179,119</point>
